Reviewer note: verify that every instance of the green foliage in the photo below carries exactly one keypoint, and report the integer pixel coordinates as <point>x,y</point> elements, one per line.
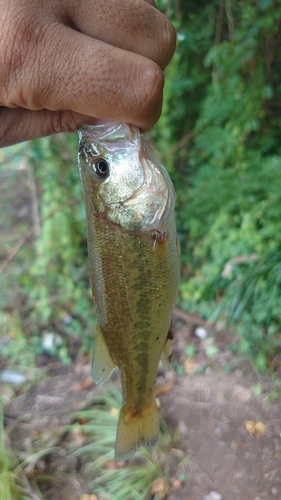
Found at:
<point>57,262</point>
<point>10,487</point>
<point>224,98</point>
<point>13,342</point>
<point>51,273</point>
<point>5,475</point>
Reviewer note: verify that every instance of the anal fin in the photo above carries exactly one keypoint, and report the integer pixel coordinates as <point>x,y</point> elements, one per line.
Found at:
<point>103,364</point>
<point>167,353</point>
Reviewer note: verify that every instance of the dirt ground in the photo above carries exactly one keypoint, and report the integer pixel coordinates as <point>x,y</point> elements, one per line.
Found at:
<point>231,436</point>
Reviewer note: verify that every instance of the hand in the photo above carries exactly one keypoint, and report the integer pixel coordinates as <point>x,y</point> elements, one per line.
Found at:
<point>64,62</point>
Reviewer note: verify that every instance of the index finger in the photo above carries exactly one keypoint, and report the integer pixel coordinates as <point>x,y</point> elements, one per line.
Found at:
<point>89,77</point>
<point>136,27</point>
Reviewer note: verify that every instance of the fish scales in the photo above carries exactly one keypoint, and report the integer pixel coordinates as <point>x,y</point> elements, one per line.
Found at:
<point>134,275</point>
<point>126,269</point>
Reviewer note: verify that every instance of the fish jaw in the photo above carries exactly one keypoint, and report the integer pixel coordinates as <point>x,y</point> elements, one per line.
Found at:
<point>138,192</point>
<point>151,203</point>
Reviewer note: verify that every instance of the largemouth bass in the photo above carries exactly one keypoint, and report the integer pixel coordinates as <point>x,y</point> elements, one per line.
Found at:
<point>134,270</point>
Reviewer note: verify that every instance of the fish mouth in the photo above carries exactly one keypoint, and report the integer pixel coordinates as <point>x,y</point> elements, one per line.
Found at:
<point>150,204</point>
<point>142,200</point>
<point>113,136</point>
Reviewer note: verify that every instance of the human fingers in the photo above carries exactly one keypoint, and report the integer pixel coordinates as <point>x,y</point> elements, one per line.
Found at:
<point>90,78</point>
<point>151,2</point>
<point>66,77</point>
<point>134,25</point>
<point>19,124</point>
<point>51,100</point>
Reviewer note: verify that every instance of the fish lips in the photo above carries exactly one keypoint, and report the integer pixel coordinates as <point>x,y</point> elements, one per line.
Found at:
<point>138,192</point>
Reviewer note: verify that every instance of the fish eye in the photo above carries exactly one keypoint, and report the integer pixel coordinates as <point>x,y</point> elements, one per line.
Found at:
<point>100,168</point>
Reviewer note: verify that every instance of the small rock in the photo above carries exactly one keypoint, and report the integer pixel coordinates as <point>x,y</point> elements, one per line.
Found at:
<point>176,483</point>
<point>209,370</point>
<point>221,325</point>
<point>51,341</point>
<point>242,393</point>
<point>67,320</point>
<point>213,495</point>
<point>182,427</point>
<point>69,488</point>
<point>12,377</point>
<point>189,366</point>
<point>201,332</point>
<point>274,491</point>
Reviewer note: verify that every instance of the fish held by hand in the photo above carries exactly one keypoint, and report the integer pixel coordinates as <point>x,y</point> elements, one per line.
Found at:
<point>134,270</point>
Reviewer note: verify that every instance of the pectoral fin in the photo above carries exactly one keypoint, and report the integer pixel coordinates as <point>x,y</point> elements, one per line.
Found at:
<point>167,353</point>
<point>102,365</point>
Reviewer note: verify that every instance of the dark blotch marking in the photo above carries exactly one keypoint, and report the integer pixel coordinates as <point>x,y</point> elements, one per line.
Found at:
<point>159,236</point>
<point>135,414</point>
<point>170,335</point>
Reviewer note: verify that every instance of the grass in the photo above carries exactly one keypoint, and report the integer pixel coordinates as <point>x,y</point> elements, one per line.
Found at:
<point>91,438</point>
<point>147,472</point>
<point>5,475</point>
<point>10,487</point>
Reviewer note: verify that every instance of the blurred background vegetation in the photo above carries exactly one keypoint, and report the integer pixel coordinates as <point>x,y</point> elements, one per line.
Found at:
<point>219,137</point>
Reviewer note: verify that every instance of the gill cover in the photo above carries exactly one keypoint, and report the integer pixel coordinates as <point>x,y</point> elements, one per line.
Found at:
<point>127,183</point>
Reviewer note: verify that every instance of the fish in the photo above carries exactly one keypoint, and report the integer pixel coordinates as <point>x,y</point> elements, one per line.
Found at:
<point>134,269</point>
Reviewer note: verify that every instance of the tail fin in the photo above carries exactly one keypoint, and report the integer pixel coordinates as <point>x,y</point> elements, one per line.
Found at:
<point>135,429</point>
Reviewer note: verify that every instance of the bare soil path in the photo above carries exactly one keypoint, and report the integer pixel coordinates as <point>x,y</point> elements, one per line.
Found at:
<point>231,435</point>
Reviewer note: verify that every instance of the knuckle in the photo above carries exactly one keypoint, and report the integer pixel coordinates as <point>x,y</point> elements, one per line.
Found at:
<point>5,130</point>
<point>63,121</point>
<point>10,61</point>
<point>18,57</point>
<point>153,82</point>
<point>149,92</point>
<point>169,40</point>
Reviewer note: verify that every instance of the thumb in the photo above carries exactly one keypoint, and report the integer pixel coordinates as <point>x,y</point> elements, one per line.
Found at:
<point>19,124</point>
